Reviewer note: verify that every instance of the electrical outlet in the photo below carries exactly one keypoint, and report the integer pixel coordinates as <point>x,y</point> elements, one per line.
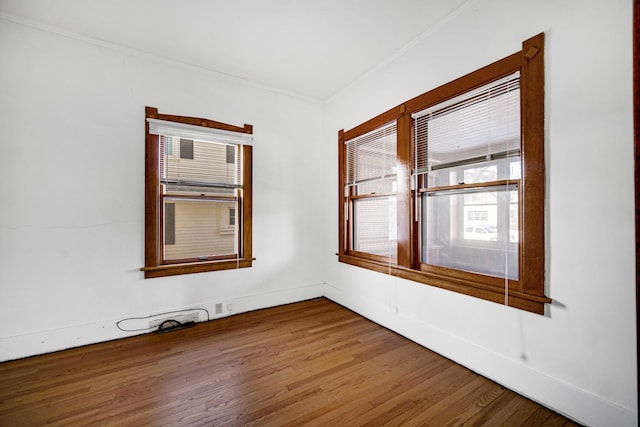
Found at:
<point>182,318</point>
<point>219,308</point>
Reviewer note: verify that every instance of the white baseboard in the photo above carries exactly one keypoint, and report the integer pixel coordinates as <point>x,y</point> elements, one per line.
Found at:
<point>575,403</point>
<point>48,341</point>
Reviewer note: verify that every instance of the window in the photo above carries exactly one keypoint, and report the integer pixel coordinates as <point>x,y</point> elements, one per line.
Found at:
<point>371,186</point>
<point>169,223</point>
<point>168,145</point>
<point>231,154</point>
<point>477,216</point>
<point>186,148</point>
<point>463,149</point>
<point>198,195</point>
<point>232,216</point>
<point>447,189</point>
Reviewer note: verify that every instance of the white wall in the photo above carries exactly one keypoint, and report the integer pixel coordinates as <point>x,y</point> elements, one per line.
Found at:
<point>580,357</point>
<point>72,190</point>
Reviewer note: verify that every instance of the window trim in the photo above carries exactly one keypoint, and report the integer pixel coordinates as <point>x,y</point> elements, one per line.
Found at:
<point>154,266</point>
<point>528,292</point>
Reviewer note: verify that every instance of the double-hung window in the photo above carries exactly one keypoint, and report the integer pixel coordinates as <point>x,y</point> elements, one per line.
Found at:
<point>371,188</point>
<point>447,188</point>
<point>198,195</point>
<point>467,165</point>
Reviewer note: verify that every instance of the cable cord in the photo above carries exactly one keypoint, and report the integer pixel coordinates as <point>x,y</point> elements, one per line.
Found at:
<point>173,325</point>
<point>118,323</point>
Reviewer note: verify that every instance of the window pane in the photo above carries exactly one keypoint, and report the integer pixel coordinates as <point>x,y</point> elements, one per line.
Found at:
<point>201,162</point>
<point>186,148</point>
<point>474,232</point>
<point>479,123</point>
<point>494,170</point>
<point>371,161</point>
<point>378,186</point>
<point>169,223</point>
<point>231,154</point>
<point>375,228</point>
<point>201,229</point>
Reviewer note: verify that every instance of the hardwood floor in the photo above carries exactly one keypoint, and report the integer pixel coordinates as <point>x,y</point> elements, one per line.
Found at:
<point>309,363</point>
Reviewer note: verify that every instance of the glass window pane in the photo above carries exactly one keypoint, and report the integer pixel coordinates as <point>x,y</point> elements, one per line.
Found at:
<point>474,232</point>
<point>169,223</point>
<point>201,162</point>
<point>494,170</point>
<point>186,148</point>
<point>379,186</point>
<point>515,169</point>
<point>482,122</point>
<point>375,227</point>
<point>371,161</point>
<point>200,229</point>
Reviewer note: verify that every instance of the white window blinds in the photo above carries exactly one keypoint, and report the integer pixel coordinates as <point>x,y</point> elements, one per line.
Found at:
<point>482,124</point>
<point>371,160</point>
<point>197,159</point>
<point>198,166</point>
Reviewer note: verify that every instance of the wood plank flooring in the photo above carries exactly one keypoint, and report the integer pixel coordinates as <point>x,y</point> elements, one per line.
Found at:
<point>309,363</point>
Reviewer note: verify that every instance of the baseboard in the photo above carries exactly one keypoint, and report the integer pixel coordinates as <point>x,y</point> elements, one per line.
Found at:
<point>564,398</point>
<point>51,340</point>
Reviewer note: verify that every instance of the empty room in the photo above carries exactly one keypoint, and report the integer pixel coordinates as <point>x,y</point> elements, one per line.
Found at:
<point>318,212</point>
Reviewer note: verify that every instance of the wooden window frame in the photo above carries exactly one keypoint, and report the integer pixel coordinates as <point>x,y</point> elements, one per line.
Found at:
<point>154,264</point>
<point>353,196</point>
<point>526,293</point>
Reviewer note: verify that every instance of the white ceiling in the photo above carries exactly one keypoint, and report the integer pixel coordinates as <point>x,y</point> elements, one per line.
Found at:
<point>310,48</point>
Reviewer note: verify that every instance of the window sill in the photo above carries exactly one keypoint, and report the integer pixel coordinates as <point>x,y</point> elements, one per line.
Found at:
<point>517,299</point>
<point>195,267</point>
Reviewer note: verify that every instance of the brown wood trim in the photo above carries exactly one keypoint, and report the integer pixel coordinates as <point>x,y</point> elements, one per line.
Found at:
<point>374,123</point>
<point>474,279</point>
<point>372,196</point>
<point>151,200</point>
<point>381,259</point>
<point>195,267</point>
<point>477,78</point>
<point>152,113</point>
<point>532,190</point>
<point>342,244</point>
<point>403,199</point>
<point>468,82</point>
<point>531,303</point>
<point>194,260</point>
<point>247,202</point>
